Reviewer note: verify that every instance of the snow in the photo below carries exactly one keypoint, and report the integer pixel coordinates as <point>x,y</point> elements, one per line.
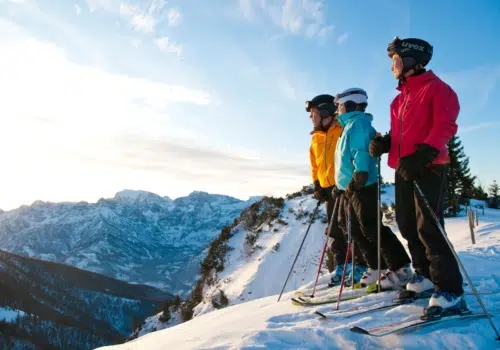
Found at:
<point>253,280</point>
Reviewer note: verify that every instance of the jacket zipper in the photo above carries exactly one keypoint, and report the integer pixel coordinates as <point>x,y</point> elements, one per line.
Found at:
<point>324,157</point>
<point>401,125</point>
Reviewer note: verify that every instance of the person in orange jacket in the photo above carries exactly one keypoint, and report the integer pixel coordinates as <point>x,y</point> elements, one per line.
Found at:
<point>323,142</point>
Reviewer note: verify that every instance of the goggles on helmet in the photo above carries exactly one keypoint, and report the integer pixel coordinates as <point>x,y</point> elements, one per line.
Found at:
<point>340,96</point>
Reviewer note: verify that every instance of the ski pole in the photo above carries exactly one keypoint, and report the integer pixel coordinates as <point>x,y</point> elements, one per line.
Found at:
<point>349,240</point>
<point>353,263</point>
<point>326,244</point>
<point>303,240</point>
<point>424,198</point>
<point>320,263</point>
<point>379,223</point>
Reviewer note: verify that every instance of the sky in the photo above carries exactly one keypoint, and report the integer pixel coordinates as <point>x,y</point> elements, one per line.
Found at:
<point>98,96</point>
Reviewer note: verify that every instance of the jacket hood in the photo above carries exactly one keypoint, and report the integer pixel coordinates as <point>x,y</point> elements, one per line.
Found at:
<point>346,118</point>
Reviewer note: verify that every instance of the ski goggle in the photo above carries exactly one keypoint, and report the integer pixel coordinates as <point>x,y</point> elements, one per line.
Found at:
<point>338,97</point>
<point>309,105</point>
<point>396,42</point>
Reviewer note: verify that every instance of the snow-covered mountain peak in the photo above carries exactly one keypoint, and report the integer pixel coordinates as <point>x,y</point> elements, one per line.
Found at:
<point>128,196</point>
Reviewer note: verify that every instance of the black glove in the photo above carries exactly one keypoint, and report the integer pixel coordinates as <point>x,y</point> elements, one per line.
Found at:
<point>319,192</point>
<point>380,145</point>
<point>410,167</point>
<point>336,192</point>
<point>357,182</point>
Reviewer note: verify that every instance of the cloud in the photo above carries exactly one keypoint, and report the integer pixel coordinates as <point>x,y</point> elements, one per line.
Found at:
<point>475,84</point>
<point>78,9</point>
<point>54,112</point>
<point>342,38</point>
<point>297,17</point>
<point>223,171</point>
<point>466,129</point>
<point>247,10</point>
<point>288,89</point>
<point>165,45</point>
<point>144,18</point>
<point>174,17</point>
<point>41,73</point>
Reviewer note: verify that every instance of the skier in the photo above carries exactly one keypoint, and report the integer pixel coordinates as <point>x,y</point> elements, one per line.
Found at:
<point>321,153</point>
<point>423,120</point>
<point>356,178</point>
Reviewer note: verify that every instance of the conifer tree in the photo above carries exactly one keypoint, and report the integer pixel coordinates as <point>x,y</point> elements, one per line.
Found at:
<point>454,148</point>
<point>493,191</point>
<point>460,180</point>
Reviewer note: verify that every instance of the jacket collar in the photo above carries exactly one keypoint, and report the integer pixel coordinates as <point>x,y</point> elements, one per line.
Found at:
<point>344,118</point>
<point>417,81</point>
<point>325,131</point>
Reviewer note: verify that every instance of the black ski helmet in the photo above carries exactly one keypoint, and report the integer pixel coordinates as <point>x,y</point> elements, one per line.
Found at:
<point>325,98</point>
<point>412,51</point>
<point>327,109</point>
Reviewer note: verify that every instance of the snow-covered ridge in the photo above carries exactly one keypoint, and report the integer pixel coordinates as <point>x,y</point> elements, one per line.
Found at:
<point>252,279</point>
<point>135,236</point>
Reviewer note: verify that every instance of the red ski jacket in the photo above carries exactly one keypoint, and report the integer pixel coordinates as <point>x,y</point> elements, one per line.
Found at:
<point>425,111</point>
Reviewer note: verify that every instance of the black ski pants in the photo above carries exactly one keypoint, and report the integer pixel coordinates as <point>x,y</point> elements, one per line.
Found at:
<point>363,206</point>
<point>431,255</point>
<point>337,232</point>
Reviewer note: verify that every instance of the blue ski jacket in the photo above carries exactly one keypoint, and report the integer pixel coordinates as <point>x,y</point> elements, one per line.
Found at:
<point>351,152</point>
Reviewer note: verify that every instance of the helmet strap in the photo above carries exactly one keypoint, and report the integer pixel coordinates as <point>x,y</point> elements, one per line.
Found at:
<point>410,68</point>
<point>328,125</point>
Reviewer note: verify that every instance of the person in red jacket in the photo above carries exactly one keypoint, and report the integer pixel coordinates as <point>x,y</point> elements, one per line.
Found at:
<point>423,120</point>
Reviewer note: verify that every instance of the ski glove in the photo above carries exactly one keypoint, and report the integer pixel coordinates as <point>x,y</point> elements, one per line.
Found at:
<point>319,192</point>
<point>357,182</point>
<point>336,192</point>
<point>410,167</point>
<point>380,145</point>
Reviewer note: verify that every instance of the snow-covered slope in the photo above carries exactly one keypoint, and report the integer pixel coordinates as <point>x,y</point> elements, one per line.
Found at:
<point>137,236</point>
<point>254,318</point>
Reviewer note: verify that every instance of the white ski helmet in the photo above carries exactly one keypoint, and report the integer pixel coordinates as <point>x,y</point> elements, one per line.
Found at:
<point>356,95</point>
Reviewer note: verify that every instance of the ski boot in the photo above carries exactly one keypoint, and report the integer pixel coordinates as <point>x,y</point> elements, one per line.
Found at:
<point>358,274</point>
<point>336,278</point>
<point>444,304</point>
<point>418,287</point>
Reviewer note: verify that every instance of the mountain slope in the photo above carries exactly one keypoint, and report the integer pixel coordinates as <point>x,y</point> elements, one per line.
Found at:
<point>254,318</point>
<point>62,305</point>
<point>136,236</point>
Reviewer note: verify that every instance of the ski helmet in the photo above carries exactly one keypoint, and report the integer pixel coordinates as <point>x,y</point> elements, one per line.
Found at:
<point>356,95</point>
<point>327,109</point>
<point>325,98</point>
<point>412,51</point>
<point>353,99</point>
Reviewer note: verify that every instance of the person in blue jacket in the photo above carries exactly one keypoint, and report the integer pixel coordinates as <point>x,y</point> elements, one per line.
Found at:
<point>356,180</point>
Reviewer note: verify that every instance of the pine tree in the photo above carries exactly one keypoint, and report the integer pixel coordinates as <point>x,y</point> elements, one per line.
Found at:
<point>479,192</point>
<point>466,186</point>
<point>493,191</point>
<point>460,180</point>
<point>454,149</point>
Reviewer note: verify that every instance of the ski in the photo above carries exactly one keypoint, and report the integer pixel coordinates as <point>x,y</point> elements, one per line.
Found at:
<point>308,292</point>
<point>413,324</point>
<point>357,293</point>
<point>320,301</point>
<point>407,298</point>
<point>363,309</point>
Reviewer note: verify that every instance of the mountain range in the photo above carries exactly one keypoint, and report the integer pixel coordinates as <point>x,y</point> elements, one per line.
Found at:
<point>136,236</point>
<point>57,306</point>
